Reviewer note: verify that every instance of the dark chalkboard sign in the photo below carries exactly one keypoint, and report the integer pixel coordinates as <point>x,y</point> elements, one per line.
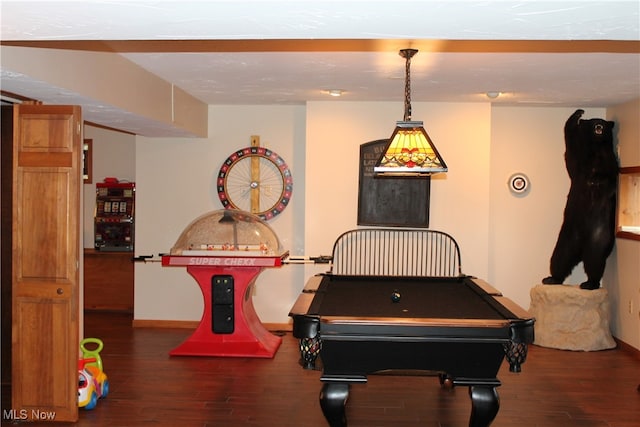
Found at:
<point>390,201</point>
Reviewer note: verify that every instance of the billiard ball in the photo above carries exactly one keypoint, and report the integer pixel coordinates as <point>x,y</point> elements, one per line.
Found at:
<point>395,296</point>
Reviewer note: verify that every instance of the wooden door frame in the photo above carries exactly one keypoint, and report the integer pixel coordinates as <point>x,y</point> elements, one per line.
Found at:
<point>6,156</point>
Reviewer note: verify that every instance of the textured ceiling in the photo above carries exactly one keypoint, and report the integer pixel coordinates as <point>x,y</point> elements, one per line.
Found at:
<point>561,53</point>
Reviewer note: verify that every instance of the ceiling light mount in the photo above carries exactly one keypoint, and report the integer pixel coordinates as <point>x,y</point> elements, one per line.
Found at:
<point>410,152</point>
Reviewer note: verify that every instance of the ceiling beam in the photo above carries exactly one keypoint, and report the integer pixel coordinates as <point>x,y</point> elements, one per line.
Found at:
<point>337,45</point>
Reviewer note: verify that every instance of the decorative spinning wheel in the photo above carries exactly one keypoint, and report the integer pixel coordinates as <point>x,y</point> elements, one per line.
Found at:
<point>255,179</point>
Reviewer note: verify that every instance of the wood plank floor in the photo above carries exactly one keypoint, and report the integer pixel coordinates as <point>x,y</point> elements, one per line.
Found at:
<point>149,388</point>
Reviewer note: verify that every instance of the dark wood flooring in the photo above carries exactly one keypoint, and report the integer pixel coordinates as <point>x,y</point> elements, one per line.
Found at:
<point>150,388</point>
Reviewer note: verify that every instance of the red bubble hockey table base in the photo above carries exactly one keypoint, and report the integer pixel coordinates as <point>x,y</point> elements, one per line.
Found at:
<point>249,337</point>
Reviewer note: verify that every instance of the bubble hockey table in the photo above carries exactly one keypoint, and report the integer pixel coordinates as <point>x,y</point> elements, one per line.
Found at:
<point>230,326</point>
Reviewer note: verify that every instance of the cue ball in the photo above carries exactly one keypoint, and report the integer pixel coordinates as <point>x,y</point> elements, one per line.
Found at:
<point>395,296</point>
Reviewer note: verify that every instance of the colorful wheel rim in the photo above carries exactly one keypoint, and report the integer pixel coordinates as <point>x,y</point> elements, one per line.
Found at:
<point>265,193</point>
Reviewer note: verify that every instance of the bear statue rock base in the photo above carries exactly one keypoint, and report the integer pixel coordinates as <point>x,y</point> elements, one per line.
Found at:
<point>570,318</point>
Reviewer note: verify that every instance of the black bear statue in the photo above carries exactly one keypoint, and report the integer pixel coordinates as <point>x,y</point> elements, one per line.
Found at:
<point>587,234</point>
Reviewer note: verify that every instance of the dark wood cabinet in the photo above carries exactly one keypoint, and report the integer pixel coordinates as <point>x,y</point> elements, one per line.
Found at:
<point>108,281</point>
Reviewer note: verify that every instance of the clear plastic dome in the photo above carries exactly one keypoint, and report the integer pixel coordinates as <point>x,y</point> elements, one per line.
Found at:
<point>227,232</point>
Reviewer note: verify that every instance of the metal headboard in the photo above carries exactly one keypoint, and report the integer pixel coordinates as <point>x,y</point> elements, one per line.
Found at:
<point>396,252</point>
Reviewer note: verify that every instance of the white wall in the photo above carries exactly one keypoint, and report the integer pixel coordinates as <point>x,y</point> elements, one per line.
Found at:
<point>506,239</point>
<point>524,228</point>
<point>114,155</point>
<point>459,199</point>
<point>176,183</point>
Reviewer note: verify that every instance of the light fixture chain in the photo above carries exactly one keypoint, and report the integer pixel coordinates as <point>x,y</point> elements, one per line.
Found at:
<point>407,88</point>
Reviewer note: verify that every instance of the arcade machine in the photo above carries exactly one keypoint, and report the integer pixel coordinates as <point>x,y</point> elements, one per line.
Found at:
<point>114,218</point>
<point>224,251</point>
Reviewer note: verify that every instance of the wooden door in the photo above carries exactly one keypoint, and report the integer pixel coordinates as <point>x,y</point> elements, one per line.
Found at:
<point>46,256</point>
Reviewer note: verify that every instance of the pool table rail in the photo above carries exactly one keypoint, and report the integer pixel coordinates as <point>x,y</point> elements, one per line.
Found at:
<point>486,287</point>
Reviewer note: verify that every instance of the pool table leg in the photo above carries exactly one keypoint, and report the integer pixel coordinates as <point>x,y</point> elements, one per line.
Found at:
<point>484,405</point>
<point>333,399</point>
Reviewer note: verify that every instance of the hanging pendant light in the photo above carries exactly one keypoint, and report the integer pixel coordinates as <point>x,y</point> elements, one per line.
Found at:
<point>410,151</point>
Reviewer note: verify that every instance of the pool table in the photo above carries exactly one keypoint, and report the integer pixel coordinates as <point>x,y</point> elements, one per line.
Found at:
<point>458,328</point>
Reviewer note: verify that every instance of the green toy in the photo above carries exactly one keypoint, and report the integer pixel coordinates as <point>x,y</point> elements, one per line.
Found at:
<point>92,354</point>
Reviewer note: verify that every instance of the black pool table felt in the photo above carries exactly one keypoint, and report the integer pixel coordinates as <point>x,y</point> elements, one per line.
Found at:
<point>457,298</point>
